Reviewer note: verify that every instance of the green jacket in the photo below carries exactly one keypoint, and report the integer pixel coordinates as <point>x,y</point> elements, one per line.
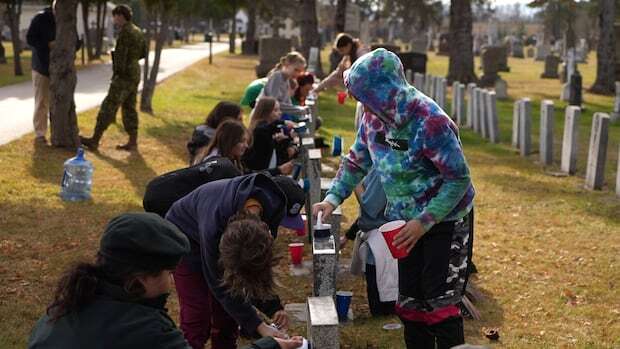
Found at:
<point>111,321</point>
<point>130,48</point>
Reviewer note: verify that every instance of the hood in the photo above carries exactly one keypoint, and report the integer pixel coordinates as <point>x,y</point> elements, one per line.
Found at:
<point>267,192</point>
<point>377,80</point>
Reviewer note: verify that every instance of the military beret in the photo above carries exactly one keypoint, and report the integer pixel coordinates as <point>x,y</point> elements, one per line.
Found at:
<point>145,240</point>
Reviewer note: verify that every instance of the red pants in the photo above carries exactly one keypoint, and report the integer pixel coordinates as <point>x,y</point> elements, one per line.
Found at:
<point>202,316</point>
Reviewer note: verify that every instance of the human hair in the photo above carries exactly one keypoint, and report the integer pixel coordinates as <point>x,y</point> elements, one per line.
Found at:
<point>222,111</point>
<point>343,39</point>
<point>78,284</point>
<point>262,111</point>
<point>292,57</point>
<point>247,257</point>
<point>227,136</point>
<point>302,80</point>
<point>123,10</point>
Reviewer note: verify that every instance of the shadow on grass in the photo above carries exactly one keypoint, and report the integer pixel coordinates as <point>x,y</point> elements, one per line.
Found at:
<point>48,162</point>
<point>137,171</point>
<point>174,135</point>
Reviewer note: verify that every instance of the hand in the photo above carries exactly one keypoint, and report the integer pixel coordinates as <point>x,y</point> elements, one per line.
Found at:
<point>280,318</point>
<point>51,44</point>
<point>343,242</point>
<point>292,343</point>
<point>286,168</point>
<point>409,235</point>
<point>267,331</point>
<point>292,151</point>
<point>324,207</point>
<point>280,136</point>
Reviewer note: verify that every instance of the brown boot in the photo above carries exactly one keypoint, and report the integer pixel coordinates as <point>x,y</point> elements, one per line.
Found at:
<point>131,145</point>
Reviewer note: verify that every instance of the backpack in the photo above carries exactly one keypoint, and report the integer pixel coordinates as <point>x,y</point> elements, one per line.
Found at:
<point>162,191</point>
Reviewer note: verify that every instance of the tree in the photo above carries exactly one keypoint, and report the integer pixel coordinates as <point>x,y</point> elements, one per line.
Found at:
<point>558,18</point>
<point>63,119</point>
<point>308,23</point>
<point>606,49</point>
<point>461,65</point>
<point>341,16</point>
<point>248,47</point>
<point>232,36</point>
<point>87,38</point>
<point>13,14</point>
<point>102,9</point>
<point>158,16</point>
<point>2,50</point>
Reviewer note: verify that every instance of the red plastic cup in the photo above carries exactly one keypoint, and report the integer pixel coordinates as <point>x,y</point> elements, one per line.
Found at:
<point>389,231</point>
<point>297,252</point>
<point>341,96</point>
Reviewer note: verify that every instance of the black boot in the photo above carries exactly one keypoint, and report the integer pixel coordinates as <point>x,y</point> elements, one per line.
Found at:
<point>92,143</point>
<point>131,145</point>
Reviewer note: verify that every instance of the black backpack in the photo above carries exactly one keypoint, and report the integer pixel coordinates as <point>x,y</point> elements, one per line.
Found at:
<point>164,190</point>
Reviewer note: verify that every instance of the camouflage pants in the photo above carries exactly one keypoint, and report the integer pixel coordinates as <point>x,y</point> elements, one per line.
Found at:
<point>120,94</point>
<point>432,278</point>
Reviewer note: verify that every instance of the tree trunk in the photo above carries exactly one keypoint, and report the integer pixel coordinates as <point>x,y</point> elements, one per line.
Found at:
<point>14,10</point>
<point>148,89</point>
<point>461,66</point>
<point>341,16</point>
<point>233,31</point>
<point>606,50</point>
<point>2,54</point>
<point>102,10</point>
<point>63,120</point>
<point>308,24</point>
<point>87,39</point>
<point>250,37</point>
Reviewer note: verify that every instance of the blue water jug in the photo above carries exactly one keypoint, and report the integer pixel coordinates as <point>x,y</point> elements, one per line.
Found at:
<point>77,179</point>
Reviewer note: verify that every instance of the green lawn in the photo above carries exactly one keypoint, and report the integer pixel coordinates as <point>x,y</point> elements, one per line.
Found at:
<point>546,249</point>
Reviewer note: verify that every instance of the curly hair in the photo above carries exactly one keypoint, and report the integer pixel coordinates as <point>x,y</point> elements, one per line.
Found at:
<point>247,257</point>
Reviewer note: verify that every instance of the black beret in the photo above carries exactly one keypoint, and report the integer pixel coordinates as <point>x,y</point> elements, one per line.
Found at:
<point>145,240</point>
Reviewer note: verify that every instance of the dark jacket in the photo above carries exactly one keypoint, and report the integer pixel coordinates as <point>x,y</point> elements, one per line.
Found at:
<point>113,320</point>
<point>203,215</point>
<point>41,32</point>
<point>258,156</point>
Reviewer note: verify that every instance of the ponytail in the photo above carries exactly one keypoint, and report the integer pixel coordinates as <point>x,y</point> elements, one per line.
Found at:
<point>292,57</point>
<point>75,289</point>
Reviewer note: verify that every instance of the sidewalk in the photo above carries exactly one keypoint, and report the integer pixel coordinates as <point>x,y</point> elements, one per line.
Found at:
<point>17,101</point>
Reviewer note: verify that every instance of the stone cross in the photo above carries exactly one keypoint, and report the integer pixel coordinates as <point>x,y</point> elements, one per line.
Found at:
<point>597,153</point>
<point>546,132</point>
<point>570,139</point>
<point>470,104</point>
<point>493,118</point>
<point>323,323</point>
<point>525,127</point>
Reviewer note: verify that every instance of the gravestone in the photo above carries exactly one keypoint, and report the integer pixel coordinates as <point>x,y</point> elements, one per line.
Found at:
<point>542,51</point>
<point>597,153</point>
<point>477,45</point>
<point>571,68</point>
<point>616,113</point>
<point>269,51</point>
<point>501,89</point>
<point>418,81</point>
<point>409,76</point>
<point>503,62</point>
<point>570,140</point>
<point>313,59</point>
<point>322,323</point>
<point>525,127</point>
<point>470,104</point>
<point>546,132</point>
<point>493,117</point>
<point>618,175</point>
<point>433,87</point>
<point>428,84</point>
<point>454,104</point>
<point>312,172</point>
<point>482,117</point>
<point>324,266</point>
<point>517,49</point>
<point>581,53</point>
<point>551,67</point>
<point>476,109</point>
<point>492,32</point>
<point>530,52</point>
<point>414,61</point>
<point>442,86</point>
<point>419,43</point>
<point>516,117</point>
<point>491,61</point>
<point>460,102</point>
<point>444,45</point>
<point>575,96</point>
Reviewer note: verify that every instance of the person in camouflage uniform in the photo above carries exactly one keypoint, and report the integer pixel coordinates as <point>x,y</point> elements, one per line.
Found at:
<point>130,48</point>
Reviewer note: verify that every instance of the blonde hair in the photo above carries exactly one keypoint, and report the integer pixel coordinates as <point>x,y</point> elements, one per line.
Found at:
<point>292,57</point>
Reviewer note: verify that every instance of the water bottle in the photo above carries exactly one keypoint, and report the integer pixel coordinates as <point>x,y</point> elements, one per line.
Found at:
<point>77,179</point>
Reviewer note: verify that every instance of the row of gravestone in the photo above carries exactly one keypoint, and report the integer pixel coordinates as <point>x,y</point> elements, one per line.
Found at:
<point>435,87</point>
<point>597,151</point>
<point>322,318</point>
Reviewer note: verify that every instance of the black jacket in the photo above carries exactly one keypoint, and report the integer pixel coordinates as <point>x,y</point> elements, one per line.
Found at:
<point>258,156</point>
<point>113,320</point>
<point>41,32</point>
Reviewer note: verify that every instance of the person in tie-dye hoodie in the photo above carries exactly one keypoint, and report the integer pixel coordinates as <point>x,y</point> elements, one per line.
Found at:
<point>415,148</point>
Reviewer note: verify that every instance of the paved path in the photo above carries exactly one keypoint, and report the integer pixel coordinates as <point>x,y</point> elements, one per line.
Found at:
<point>17,101</point>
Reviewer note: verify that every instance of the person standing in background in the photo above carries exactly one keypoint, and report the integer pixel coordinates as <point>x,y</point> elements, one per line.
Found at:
<point>123,91</point>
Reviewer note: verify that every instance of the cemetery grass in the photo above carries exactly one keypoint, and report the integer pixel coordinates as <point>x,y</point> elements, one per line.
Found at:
<point>546,249</point>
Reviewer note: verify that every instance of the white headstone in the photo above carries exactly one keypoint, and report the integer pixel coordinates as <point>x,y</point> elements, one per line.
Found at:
<point>501,89</point>
<point>409,76</point>
<point>482,107</point>
<point>418,81</point>
<point>454,104</point>
<point>428,84</point>
<point>616,114</point>
<point>323,323</point>
<point>618,175</point>
<point>476,110</point>
<point>525,127</point>
<point>492,117</point>
<point>470,104</point>
<point>440,96</point>
<point>516,117</point>
<point>597,153</point>
<point>546,132</point>
<point>570,139</point>
<point>460,104</point>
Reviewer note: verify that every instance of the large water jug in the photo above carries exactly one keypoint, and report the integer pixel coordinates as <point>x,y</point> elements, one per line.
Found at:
<point>77,179</point>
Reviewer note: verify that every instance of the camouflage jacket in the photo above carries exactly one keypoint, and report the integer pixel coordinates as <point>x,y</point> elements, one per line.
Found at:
<point>130,48</point>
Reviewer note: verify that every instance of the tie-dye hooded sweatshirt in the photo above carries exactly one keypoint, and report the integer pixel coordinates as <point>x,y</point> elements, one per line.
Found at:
<point>411,142</point>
